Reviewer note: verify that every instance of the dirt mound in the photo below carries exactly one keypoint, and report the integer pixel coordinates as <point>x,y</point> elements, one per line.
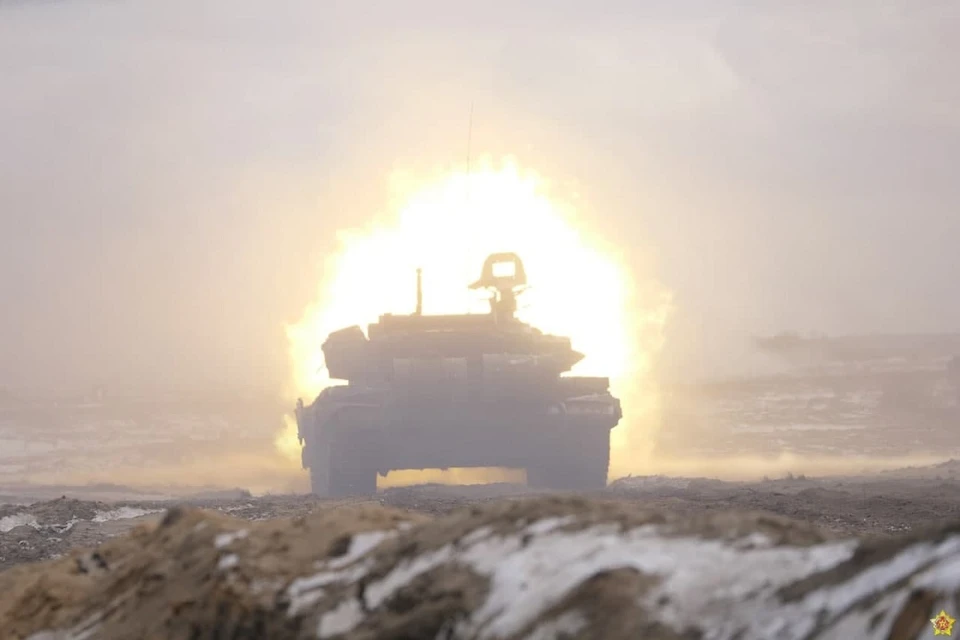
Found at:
<point>536,568</point>
<point>948,470</point>
<point>221,494</point>
<point>45,530</point>
<point>55,511</point>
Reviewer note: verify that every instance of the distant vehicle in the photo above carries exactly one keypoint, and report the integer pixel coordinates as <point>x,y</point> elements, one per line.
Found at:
<point>470,390</point>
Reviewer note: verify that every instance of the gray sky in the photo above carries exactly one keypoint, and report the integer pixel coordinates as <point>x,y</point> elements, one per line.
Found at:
<point>172,173</point>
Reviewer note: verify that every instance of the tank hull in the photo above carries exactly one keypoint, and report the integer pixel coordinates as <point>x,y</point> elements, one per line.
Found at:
<point>464,390</point>
<point>352,434</point>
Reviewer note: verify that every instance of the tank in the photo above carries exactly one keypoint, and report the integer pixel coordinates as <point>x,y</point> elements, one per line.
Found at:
<point>445,391</point>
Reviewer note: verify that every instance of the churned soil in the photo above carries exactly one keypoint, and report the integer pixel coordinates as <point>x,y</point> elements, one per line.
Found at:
<point>532,567</point>
<point>654,557</point>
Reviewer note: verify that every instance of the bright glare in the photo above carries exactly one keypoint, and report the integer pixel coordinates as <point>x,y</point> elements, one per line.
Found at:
<point>447,225</point>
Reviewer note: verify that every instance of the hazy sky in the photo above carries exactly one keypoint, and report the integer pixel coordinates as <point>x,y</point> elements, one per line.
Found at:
<point>172,172</point>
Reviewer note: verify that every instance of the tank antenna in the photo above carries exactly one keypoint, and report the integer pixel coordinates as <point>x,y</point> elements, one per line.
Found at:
<point>419,292</point>
<point>469,147</point>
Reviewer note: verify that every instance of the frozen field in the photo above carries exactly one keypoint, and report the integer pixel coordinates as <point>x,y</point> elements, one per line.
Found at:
<point>889,408</point>
<point>149,457</point>
<point>135,443</point>
<point>858,411</point>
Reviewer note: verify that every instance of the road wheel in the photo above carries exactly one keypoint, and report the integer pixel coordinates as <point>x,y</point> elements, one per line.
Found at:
<point>352,463</point>
<point>578,460</point>
<point>346,481</point>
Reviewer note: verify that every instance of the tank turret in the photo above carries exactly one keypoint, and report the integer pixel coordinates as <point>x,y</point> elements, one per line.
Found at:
<point>356,357</point>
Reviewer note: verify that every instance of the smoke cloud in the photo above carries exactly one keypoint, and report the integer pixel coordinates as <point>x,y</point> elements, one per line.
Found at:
<point>172,174</point>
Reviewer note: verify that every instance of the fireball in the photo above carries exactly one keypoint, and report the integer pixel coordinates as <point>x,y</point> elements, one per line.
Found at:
<point>446,225</point>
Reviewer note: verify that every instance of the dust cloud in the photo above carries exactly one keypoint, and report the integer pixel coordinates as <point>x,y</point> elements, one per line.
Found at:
<point>258,471</point>
<point>580,285</point>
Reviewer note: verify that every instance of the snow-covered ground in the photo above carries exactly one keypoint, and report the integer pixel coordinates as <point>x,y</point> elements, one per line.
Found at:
<point>859,410</point>
<point>656,561</point>
<point>125,443</point>
<point>837,411</point>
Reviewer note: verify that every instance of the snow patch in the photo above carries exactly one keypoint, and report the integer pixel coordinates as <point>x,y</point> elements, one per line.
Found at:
<point>9,523</point>
<point>547,525</point>
<point>303,593</point>
<point>360,545</point>
<point>944,576</point>
<point>377,592</point>
<point>476,536</point>
<point>753,541</point>
<point>29,520</point>
<point>695,575</point>
<point>304,602</point>
<point>63,528</point>
<point>228,562</point>
<point>236,507</point>
<point>343,619</point>
<point>86,630</point>
<point>123,513</point>
<point>698,592</point>
<point>226,539</point>
<point>565,625</point>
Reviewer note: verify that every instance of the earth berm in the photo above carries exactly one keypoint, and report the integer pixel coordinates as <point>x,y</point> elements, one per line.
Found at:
<point>539,567</point>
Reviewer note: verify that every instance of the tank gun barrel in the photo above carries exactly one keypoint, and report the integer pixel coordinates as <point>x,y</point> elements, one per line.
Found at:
<point>419,310</point>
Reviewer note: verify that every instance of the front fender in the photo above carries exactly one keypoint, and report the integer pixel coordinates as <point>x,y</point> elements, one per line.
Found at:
<point>298,414</point>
